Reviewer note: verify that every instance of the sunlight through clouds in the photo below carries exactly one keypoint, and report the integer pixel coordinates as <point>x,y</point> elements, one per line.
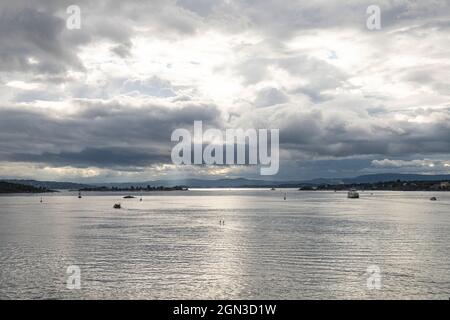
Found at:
<point>133,71</point>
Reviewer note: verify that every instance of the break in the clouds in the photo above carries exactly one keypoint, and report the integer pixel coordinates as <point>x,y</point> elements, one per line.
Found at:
<point>100,102</point>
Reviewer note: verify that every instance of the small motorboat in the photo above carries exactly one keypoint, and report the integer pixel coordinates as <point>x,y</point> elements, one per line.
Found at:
<point>117,206</point>
<point>433,199</point>
<point>353,194</point>
<point>129,197</point>
<point>272,189</point>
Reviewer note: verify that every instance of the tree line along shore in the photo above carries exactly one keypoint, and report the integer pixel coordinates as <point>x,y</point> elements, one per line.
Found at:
<point>387,186</point>
<point>135,189</point>
<point>8,187</point>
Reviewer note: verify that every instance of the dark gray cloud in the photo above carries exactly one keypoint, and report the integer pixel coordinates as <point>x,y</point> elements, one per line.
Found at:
<point>341,133</point>
<point>269,97</point>
<point>104,135</point>
<point>122,158</point>
<point>26,34</point>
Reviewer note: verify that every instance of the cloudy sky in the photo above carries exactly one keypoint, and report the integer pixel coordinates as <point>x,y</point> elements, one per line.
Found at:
<point>99,103</point>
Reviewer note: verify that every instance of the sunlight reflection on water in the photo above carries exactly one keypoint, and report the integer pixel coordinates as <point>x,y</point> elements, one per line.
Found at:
<point>171,245</point>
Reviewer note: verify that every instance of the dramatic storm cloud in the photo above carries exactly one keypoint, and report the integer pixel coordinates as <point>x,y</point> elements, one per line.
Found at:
<point>100,102</point>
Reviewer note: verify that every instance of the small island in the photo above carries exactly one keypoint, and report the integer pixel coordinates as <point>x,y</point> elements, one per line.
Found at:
<point>7,187</point>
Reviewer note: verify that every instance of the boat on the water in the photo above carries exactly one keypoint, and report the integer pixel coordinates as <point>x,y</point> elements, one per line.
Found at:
<point>272,189</point>
<point>353,194</point>
<point>129,197</point>
<point>79,194</point>
<point>117,206</point>
<point>433,199</point>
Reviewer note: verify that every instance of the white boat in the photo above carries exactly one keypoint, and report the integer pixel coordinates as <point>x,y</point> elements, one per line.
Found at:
<point>353,194</point>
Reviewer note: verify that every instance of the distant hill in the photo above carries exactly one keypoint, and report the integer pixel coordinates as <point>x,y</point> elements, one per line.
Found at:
<point>54,185</point>
<point>386,177</point>
<point>236,183</point>
<point>7,187</point>
<point>247,183</point>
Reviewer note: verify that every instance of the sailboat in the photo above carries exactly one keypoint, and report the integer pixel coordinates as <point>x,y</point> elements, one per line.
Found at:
<point>79,195</point>
<point>285,196</point>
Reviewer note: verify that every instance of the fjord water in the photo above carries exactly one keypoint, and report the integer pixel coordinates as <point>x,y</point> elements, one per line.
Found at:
<point>314,245</point>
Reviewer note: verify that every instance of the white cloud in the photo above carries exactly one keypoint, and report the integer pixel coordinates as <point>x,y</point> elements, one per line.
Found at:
<point>22,85</point>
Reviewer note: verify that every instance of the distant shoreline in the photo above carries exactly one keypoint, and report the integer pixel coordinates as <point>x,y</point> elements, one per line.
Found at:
<point>8,187</point>
<point>378,186</point>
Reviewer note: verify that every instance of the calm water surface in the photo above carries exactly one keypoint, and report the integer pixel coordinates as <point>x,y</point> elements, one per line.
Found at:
<point>314,245</point>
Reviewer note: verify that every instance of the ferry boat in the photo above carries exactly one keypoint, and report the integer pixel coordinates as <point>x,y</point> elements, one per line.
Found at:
<point>353,194</point>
